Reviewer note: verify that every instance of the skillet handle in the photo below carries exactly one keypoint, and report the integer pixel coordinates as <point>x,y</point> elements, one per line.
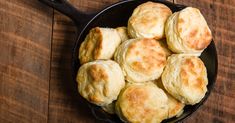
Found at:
<point>66,8</point>
<point>180,7</point>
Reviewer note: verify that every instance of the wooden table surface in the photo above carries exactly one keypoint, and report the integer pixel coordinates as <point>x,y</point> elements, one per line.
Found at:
<point>35,54</point>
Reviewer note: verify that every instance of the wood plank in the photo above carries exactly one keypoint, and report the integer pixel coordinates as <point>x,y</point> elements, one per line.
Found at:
<point>25,46</point>
<point>219,108</point>
<point>65,104</point>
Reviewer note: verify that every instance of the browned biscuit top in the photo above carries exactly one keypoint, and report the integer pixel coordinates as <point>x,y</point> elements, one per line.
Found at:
<point>193,29</point>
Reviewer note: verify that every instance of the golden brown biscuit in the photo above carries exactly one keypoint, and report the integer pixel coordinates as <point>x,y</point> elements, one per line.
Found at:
<point>122,31</point>
<point>187,32</point>
<point>142,103</point>
<point>148,20</point>
<point>100,81</point>
<point>100,43</point>
<point>185,78</point>
<point>141,59</point>
<point>165,47</point>
<point>175,107</point>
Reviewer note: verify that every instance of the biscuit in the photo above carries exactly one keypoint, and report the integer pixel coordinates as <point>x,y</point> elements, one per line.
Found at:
<point>148,20</point>
<point>100,43</point>
<point>175,107</point>
<point>187,32</point>
<point>122,31</point>
<point>141,59</point>
<point>185,78</point>
<point>142,103</point>
<point>165,47</point>
<point>100,81</point>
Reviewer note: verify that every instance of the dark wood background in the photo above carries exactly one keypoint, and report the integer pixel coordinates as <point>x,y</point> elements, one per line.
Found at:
<point>35,54</point>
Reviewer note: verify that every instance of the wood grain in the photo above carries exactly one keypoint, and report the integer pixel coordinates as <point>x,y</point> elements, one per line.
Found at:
<point>220,15</point>
<point>35,63</point>
<point>65,104</point>
<point>25,43</point>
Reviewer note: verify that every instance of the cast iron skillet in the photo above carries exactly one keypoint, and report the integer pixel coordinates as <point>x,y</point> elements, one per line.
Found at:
<point>117,15</point>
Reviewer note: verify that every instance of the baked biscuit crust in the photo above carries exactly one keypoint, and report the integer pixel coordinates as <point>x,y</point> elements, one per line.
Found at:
<point>141,59</point>
<point>100,81</point>
<point>100,43</point>
<point>193,29</point>
<point>148,20</point>
<point>175,107</point>
<point>164,45</point>
<point>185,78</point>
<point>142,103</point>
<point>187,32</point>
<point>122,31</point>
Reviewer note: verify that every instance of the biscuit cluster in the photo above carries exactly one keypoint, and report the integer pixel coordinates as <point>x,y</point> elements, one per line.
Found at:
<point>148,71</point>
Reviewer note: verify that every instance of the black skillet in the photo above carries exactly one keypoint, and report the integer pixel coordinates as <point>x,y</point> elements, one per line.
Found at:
<point>117,15</point>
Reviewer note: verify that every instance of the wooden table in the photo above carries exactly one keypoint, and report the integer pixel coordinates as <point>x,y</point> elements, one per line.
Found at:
<point>35,54</point>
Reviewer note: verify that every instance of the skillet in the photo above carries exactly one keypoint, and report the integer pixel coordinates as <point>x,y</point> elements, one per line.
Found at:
<point>118,15</point>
